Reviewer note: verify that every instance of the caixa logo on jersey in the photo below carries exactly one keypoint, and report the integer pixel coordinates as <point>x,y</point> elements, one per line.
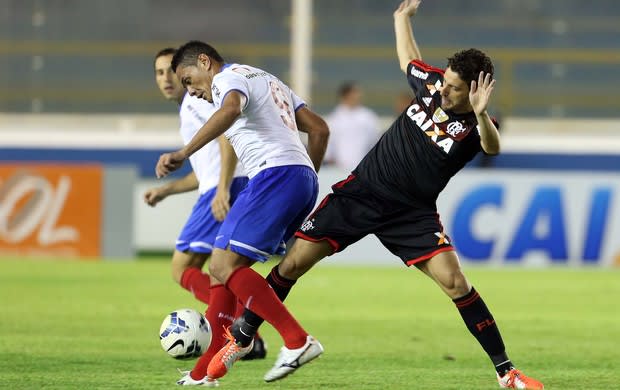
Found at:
<point>536,218</point>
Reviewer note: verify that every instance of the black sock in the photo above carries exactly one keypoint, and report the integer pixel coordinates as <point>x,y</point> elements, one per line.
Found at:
<point>281,285</point>
<point>246,328</point>
<point>481,324</point>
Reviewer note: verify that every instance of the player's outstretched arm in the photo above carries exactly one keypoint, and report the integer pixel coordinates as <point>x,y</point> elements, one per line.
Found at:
<point>479,95</point>
<point>318,134</point>
<point>406,46</point>
<point>219,122</point>
<point>157,194</point>
<point>221,201</point>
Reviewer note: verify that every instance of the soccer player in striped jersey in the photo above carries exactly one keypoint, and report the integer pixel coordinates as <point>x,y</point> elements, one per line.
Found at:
<point>261,117</point>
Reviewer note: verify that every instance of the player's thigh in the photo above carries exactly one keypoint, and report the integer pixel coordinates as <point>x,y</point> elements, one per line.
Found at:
<point>273,205</point>
<point>345,216</point>
<point>184,260</point>
<point>445,269</point>
<point>414,234</point>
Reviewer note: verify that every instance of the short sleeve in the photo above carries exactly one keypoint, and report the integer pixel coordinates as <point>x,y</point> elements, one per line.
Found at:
<point>228,81</point>
<point>297,101</point>
<point>419,75</point>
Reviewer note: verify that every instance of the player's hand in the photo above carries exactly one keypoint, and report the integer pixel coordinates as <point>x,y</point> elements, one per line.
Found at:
<point>480,92</point>
<point>169,162</point>
<point>154,196</point>
<point>220,205</point>
<point>407,8</point>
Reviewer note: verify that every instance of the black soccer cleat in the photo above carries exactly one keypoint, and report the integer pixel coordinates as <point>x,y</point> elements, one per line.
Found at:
<point>259,351</point>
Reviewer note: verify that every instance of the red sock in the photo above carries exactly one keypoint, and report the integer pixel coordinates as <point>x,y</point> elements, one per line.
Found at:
<point>219,314</point>
<point>239,311</point>
<point>196,282</point>
<point>253,290</point>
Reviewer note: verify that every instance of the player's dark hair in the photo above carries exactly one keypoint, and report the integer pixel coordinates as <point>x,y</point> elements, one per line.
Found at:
<point>468,64</point>
<point>346,88</point>
<point>164,52</point>
<point>188,54</point>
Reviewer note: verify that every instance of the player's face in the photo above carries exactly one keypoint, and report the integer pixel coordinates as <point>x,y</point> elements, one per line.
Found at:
<point>166,80</point>
<point>454,93</point>
<point>197,81</point>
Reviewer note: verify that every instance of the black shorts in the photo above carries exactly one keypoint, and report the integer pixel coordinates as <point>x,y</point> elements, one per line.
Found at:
<point>352,211</point>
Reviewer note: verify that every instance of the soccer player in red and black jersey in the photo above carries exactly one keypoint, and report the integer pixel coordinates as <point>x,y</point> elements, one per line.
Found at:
<point>393,191</point>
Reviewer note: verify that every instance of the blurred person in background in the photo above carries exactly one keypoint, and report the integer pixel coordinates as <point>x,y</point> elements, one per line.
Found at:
<point>393,192</point>
<point>218,179</point>
<point>262,117</point>
<point>354,128</point>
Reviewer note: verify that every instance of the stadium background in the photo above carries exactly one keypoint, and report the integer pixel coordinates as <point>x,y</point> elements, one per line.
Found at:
<point>554,58</point>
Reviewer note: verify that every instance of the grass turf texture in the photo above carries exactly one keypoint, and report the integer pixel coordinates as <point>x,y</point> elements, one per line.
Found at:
<point>94,325</point>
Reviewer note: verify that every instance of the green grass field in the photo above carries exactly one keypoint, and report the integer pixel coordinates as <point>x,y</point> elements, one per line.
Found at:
<point>94,325</point>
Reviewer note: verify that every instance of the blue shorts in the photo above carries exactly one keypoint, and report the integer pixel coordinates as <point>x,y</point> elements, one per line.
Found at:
<point>201,227</point>
<point>268,211</point>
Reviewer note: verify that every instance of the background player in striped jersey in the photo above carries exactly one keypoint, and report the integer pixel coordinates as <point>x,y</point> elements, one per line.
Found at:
<point>218,179</point>
<point>393,191</point>
<point>261,116</point>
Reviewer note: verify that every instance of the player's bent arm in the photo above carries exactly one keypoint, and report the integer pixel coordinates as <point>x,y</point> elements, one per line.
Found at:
<point>185,184</point>
<point>489,135</point>
<point>318,134</point>
<point>219,122</point>
<point>406,46</point>
<point>155,195</point>
<point>228,163</point>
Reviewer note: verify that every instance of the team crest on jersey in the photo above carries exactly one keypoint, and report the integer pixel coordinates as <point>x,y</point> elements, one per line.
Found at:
<point>432,88</point>
<point>440,116</point>
<point>307,226</point>
<point>427,101</point>
<point>455,128</point>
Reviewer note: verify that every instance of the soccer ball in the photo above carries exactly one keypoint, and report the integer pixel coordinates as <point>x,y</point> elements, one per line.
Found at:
<point>185,333</point>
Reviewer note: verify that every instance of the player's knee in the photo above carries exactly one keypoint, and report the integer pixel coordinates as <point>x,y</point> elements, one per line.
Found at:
<point>220,269</point>
<point>288,268</point>
<point>455,284</point>
<point>302,257</point>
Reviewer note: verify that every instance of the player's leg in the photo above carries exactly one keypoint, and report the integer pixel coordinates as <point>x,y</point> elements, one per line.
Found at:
<point>186,268</point>
<point>445,269</point>
<point>300,259</point>
<point>259,347</point>
<point>341,219</point>
<point>194,246</point>
<point>274,201</point>
<point>220,312</point>
<point>252,289</point>
<point>416,235</point>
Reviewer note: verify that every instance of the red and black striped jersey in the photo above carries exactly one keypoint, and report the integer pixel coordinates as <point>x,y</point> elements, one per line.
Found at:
<point>424,147</point>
